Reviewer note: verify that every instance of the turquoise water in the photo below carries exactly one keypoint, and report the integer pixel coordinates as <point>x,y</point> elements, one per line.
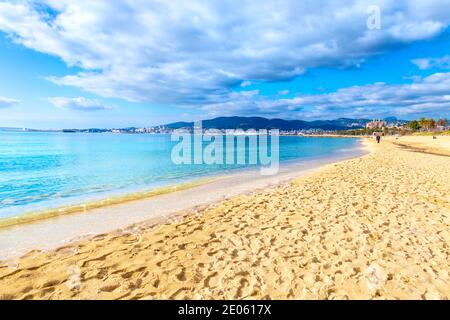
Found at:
<point>45,170</point>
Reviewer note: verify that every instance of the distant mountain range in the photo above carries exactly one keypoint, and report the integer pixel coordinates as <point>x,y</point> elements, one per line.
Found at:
<point>246,123</point>
<point>9,129</point>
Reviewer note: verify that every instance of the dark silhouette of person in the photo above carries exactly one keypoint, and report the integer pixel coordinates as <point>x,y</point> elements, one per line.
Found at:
<point>378,138</point>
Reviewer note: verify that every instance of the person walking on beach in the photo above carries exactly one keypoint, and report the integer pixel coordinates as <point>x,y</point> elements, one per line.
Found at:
<point>378,138</point>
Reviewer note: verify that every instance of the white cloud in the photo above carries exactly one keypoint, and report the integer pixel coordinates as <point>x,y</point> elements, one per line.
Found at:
<point>7,102</point>
<point>79,103</point>
<point>246,83</point>
<point>429,95</point>
<point>428,63</point>
<point>194,53</point>
<point>283,92</point>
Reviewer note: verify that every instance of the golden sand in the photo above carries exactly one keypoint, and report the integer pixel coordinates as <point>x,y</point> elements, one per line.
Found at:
<point>377,227</point>
<point>439,146</point>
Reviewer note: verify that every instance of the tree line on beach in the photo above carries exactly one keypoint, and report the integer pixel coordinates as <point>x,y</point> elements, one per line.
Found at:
<point>430,124</point>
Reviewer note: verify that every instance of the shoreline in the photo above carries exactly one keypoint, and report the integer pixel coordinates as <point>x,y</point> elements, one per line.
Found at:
<point>80,205</point>
<point>82,208</point>
<point>120,215</point>
<point>372,227</point>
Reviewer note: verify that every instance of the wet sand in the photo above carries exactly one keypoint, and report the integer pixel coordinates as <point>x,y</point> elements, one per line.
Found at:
<point>376,227</point>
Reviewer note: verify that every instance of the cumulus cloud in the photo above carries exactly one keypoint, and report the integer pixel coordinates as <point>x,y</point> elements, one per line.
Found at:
<point>7,102</point>
<point>79,103</point>
<point>429,95</point>
<point>428,63</point>
<point>195,53</point>
<point>246,83</point>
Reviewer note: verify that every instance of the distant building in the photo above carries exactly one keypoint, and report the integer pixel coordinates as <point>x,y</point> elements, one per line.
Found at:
<point>442,128</point>
<point>376,124</point>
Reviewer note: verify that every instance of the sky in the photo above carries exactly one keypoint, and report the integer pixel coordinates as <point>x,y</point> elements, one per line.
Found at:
<point>106,64</point>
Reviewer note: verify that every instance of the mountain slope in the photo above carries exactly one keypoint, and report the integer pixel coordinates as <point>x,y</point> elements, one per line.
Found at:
<point>246,123</point>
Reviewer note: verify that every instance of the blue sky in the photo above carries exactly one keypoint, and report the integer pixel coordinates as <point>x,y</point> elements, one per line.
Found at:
<point>141,63</point>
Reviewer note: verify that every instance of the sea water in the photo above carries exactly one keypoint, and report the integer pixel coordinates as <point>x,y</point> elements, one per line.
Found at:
<point>44,170</point>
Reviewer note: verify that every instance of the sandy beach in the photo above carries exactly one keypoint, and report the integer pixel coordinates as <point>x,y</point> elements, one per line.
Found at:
<point>438,146</point>
<point>375,227</point>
